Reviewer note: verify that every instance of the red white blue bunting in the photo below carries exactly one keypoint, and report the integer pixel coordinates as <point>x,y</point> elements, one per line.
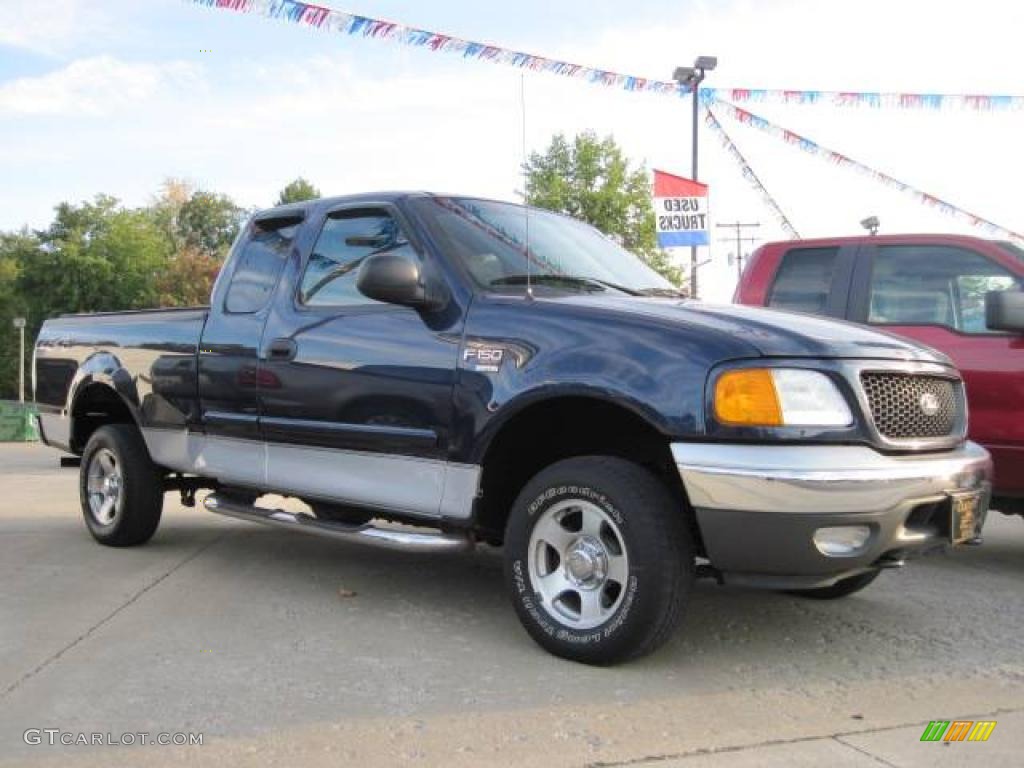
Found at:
<point>843,161</point>
<point>353,25</point>
<point>978,102</point>
<point>748,173</point>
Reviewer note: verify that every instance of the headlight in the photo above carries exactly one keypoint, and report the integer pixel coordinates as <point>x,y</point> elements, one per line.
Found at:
<point>779,397</point>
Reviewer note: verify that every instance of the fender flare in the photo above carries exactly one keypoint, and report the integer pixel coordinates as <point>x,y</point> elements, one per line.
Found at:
<point>548,392</point>
<point>103,369</point>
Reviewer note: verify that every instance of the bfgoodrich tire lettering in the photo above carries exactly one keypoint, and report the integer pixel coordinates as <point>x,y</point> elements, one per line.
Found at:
<point>121,489</point>
<point>642,587</point>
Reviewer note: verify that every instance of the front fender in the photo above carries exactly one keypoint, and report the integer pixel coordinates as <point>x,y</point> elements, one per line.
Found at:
<point>548,392</point>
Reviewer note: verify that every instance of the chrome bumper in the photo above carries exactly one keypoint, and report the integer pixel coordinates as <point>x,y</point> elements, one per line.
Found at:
<point>759,505</point>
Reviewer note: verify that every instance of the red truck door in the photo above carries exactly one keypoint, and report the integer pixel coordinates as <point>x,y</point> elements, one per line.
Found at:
<point>935,293</point>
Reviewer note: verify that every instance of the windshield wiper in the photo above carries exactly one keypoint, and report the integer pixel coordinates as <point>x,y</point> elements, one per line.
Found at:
<point>591,282</point>
<point>671,293</point>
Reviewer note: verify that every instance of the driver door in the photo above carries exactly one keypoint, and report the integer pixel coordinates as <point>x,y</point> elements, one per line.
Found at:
<point>356,395</point>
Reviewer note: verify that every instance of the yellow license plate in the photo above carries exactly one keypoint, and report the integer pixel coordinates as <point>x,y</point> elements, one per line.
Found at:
<point>966,508</point>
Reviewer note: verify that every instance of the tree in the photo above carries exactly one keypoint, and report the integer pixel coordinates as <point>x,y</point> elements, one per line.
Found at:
<point>195,219</point>
<point>15,248</point>
<point>98,255</point>
<point>93,257</point>
<point>209,222</point>
<point>297,191</point>
<point>187,279</point>
<point>590,179</point>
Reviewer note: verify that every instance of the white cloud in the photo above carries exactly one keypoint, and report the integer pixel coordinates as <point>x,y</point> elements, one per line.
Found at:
<point>94,86</point>
<point>371,116</point>
<point>42,27</point>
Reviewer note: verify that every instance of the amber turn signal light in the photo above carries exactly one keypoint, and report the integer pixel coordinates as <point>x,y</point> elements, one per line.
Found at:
<point>748,397</point>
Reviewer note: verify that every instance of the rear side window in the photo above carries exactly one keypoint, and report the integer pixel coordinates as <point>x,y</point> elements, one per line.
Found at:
<point>804,280</point>
<point>263,255</point>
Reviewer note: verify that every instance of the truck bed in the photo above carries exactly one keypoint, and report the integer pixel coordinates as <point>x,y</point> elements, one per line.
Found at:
<point>148,356</point>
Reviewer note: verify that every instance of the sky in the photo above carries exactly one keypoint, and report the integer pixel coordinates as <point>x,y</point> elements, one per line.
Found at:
<point>115,96</point>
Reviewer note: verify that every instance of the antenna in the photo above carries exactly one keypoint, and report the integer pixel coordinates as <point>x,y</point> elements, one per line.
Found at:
<point>526,202</point>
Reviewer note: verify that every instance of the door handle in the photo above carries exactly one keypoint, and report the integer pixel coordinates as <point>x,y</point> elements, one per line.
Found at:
<point>282,349</point>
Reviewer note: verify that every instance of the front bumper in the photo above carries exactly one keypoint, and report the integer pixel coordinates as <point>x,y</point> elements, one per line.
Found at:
<point>758,506</point>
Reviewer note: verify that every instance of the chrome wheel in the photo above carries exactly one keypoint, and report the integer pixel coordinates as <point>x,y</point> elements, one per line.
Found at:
<point>578,563</point>
<point>105,487</point>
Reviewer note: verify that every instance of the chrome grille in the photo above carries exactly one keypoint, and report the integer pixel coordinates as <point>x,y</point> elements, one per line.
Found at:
<point>896,404</point>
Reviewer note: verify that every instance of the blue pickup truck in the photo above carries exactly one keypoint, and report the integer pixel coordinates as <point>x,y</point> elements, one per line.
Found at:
<point>426,372</point>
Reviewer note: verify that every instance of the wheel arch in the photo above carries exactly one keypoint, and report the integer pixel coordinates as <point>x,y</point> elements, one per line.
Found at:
<point>544,429</point>
<point>102,392</point>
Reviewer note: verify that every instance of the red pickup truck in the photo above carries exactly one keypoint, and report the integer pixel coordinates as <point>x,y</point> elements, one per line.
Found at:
<point>961,295</point>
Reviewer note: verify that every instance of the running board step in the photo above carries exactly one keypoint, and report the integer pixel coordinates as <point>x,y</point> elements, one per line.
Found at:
<point>387,538</point>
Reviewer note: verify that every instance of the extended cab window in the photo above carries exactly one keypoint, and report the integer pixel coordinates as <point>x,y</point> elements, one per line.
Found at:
<point>934,285</point>
<point>263,254</point>
<point>345,242</point>
<point>804,280</point>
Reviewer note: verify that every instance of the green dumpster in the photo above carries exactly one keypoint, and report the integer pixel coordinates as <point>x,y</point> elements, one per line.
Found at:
<point>17,422</point>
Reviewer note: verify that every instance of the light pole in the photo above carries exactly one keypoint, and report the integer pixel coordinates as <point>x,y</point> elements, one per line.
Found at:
<point>19,323</point>
<point>691,78</point>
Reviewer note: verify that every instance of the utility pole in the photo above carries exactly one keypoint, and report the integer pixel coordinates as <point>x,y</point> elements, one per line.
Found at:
<point>19,323</point>
<point>738,239</point>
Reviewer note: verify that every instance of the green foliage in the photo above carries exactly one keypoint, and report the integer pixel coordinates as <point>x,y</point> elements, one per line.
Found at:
<point>100,256</point>
<point>297,191</point>
<point>209,223</point>
<point>187,279</point>
<point>94,256</point>
<point>590,179</point>
<point>195,219</point>
<point>14,248</point>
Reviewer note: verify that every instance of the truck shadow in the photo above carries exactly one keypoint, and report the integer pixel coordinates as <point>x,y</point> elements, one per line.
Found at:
<point>905,623</point>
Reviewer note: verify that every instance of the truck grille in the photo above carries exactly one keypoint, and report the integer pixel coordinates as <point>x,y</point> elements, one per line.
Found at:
<point>910,406</point>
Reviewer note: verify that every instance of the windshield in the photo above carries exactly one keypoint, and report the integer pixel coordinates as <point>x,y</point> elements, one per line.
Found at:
<point>489,238</point>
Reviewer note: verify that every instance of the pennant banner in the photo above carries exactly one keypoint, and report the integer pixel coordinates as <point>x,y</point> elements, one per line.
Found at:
<point>842,161</point>
<point>339,22</point>
<point>748,173</point>
<point>869,99</point>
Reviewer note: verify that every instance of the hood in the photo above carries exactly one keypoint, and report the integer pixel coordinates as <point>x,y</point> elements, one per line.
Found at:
<point>773,333</point>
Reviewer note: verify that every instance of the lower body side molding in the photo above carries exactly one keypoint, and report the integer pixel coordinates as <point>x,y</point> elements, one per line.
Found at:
<point>386,538</point>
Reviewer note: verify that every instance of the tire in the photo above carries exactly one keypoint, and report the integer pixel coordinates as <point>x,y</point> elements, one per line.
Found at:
<point>841,588</point>
<point>338,513</point>
<point>598,560</point>
<point>123,512</point>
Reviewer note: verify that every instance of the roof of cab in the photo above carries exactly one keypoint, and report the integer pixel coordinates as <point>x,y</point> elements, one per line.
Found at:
<point>305,206</point>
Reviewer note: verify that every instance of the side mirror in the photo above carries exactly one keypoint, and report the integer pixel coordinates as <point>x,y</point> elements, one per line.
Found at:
<point>1004,311</point>
<point>394,278</point>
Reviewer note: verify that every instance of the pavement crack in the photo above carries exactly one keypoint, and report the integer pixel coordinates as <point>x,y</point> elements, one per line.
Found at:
<point>133,598</point>
<point>855,748</point>
<point>705,751</point>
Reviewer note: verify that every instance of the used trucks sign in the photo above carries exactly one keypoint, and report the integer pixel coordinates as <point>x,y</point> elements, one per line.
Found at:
<point>680,211</point>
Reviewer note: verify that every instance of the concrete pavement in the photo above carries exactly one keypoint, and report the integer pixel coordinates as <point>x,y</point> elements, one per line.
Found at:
<point>286,649</point>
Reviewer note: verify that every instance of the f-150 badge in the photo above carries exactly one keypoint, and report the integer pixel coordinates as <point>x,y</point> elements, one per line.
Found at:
<point>483,359</point>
